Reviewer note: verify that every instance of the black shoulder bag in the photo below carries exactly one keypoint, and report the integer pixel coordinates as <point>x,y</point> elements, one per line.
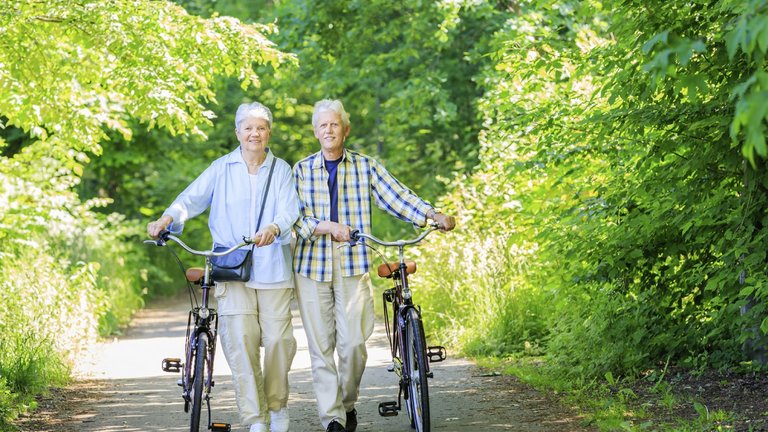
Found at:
<point>237,265</point>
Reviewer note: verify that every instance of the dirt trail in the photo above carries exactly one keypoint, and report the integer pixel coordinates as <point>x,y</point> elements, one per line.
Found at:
<point>121,388</point>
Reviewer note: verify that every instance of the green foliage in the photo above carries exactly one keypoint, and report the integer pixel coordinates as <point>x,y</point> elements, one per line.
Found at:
<point>606,160</point>
<point>74,75</point>
<point>8,405</point>
<point>615,149</point>
<point>404,72</point>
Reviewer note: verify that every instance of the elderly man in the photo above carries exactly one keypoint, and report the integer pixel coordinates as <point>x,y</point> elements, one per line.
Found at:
<point>336,186</point>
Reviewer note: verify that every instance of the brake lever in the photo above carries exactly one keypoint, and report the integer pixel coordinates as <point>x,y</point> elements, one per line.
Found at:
<point>161,240</point>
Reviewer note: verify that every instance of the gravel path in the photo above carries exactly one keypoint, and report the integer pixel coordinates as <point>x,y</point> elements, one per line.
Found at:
<point>122,388</point>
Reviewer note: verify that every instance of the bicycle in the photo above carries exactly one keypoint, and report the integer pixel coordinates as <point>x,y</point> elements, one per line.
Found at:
<point>200,347</point>
<point>405,332</point>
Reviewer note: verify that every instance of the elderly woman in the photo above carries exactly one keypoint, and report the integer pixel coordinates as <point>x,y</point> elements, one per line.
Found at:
<point>256,312</point>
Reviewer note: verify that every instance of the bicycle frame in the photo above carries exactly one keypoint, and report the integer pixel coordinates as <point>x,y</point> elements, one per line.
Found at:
<point>410,355</point>
<point>202,328</point>
<point>206,320</point>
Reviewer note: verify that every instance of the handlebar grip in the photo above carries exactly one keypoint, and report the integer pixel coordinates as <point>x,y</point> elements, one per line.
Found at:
<point>163,235</point>
<point>354,237</point>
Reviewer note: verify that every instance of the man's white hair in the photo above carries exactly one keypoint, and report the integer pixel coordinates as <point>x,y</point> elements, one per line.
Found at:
<point>334,105</point>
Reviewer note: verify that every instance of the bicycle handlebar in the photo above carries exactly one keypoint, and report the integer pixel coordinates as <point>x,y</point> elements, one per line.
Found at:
<point>166,235</point>
<point>357,235</point>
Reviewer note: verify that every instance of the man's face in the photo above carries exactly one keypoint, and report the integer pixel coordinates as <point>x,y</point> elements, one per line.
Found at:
<point>330,131</point>
<point>253,134</point>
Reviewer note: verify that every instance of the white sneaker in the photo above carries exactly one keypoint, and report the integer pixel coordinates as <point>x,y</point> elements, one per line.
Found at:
<point>258,427</point>
<point>280,420</point>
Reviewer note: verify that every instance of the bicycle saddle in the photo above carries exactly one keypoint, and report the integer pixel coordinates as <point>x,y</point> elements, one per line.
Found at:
<point>386,270</point>
<point>195,274</point>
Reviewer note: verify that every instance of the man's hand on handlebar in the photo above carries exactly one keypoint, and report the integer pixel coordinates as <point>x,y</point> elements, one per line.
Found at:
<point>340,232</point>
<point>444,222</point>
<point>155,228</point>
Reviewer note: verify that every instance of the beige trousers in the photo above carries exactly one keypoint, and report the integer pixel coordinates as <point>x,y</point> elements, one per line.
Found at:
<point>337,316</point>
<point>248,319</point>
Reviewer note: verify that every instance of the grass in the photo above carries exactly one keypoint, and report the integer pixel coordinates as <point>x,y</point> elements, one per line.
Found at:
<point>649,403</point>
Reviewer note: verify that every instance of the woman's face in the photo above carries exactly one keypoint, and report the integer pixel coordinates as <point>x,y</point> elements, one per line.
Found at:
<point>253,134</point>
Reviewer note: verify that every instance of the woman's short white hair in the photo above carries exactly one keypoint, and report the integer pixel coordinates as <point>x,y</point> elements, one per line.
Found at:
<point>253,109</point>
<point>334,105</point>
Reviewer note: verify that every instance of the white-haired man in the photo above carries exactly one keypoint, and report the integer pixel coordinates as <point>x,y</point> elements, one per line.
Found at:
<point>336,188</point>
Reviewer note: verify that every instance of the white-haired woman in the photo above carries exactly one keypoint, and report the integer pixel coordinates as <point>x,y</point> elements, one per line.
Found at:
<point>257,312</point>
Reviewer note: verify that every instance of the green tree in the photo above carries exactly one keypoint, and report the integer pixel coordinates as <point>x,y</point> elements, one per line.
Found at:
<point>74,77</point>
<point>621,185</point>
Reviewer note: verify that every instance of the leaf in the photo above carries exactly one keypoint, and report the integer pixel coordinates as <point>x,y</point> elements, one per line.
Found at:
<point>735,37</point>
<point>660,38</point>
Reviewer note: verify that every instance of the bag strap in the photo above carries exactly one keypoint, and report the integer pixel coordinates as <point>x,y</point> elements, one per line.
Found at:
<point>266,192</point>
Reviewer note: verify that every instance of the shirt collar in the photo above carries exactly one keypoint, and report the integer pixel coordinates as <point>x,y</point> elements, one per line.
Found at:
<point>319,160</point>
<point>236,156</point>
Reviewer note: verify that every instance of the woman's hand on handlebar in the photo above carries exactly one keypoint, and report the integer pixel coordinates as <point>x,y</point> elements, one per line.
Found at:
<point>267,236</point>
<point>155,228</point>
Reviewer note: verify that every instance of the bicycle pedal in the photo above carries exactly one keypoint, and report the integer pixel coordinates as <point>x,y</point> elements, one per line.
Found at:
<point>388,409</point>
<point>391,368</point>
<point>220,427</point>
<point>436,354</point>
<point>172,365</point>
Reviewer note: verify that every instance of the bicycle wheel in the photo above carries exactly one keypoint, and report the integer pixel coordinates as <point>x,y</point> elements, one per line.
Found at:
<point>417,369</point>
<point>198,378</point>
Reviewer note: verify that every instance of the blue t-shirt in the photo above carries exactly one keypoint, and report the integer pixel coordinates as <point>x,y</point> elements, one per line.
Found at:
<point>330,166</point>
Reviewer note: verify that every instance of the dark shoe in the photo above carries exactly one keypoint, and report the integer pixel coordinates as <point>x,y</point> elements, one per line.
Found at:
<point>335,426</point>
<point>351,420</point>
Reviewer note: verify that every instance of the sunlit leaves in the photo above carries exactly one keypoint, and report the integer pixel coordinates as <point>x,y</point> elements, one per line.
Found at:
<point>623,172</point>
<point>72,74</point>
<point>76,68</point>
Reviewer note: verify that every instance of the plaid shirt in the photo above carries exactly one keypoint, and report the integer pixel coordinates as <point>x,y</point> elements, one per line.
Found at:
<point>360,178</point>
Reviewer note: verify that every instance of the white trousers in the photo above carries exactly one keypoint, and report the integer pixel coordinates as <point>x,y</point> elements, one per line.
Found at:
<point>338,316</point>
<point>248,319</point>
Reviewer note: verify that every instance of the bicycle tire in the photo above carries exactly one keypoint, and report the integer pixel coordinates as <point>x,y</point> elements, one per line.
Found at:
<point>198,379</point>
<point>417,369</point>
